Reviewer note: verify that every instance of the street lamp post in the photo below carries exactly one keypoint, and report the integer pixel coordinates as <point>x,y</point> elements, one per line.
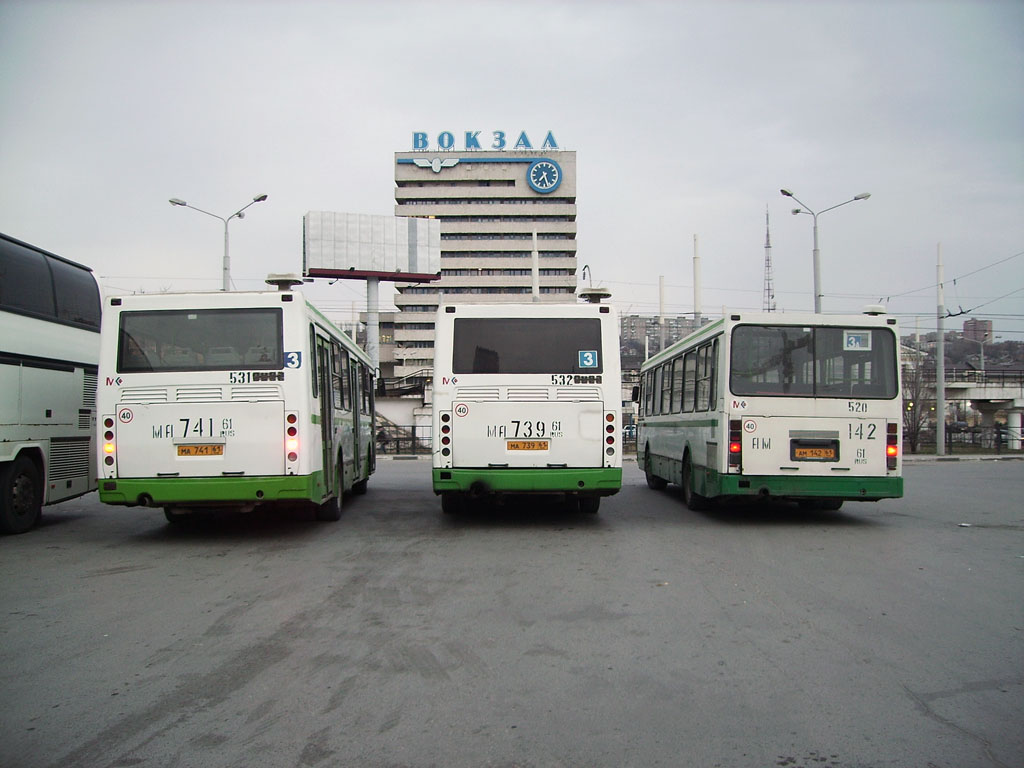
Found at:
<point>226,280</point>
<point>817,263</point>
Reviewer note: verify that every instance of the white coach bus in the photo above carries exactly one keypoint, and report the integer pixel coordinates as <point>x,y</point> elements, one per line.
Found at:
<point>49,350</point>
<point>803,407</point>
<point>231,400</point>
<point>527,400</point>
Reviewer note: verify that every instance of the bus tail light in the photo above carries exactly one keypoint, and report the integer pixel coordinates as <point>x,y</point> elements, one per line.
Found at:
<point>291,436</point>
<point>446,434</point>
<point>610,429</point>
<point>109,446</point>
<point>892,445</point>
<point>735,443</point>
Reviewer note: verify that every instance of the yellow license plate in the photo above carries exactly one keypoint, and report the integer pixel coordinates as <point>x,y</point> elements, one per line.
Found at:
<point>200,450</point>
<point>528,445</point>
<point>814,453</point>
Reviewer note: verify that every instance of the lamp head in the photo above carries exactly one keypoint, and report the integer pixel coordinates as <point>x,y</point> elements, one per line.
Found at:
<point>862,196</point>
<point>259,198</point>
<point>786,192</point>
<point>177,201</point>
<point>797,210</point>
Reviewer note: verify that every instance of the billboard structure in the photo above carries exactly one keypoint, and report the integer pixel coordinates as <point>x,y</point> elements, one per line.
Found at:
<point>355,246</point>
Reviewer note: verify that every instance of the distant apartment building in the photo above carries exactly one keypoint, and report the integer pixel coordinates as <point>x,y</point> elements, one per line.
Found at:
<point>495,207</point>
<point>977,330</point>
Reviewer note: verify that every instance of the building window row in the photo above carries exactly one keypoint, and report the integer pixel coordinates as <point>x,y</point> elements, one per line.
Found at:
<point>488,202</point>
<point>459,183</point>
<point>509,236</point>
<point>505,254</point>
<point>507,272</point>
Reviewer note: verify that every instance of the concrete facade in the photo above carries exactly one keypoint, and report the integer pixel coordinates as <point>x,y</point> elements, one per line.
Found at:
<point>489,212</point>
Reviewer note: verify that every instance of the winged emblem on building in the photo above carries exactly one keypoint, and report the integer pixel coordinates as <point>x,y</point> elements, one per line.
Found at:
<point>437,163</point>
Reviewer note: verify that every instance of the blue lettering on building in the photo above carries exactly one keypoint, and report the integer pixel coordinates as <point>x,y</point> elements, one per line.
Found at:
<point>499,141</point>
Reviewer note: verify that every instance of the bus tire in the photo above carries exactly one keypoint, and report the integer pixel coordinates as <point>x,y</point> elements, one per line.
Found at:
<point>653,481</point>
<point>691,498</point>
<point>590,504</point>
<point>451,503</point>
<point>330,510</point>
<point>359,488</point>
<point>179,516</point>
<point>21,498</point>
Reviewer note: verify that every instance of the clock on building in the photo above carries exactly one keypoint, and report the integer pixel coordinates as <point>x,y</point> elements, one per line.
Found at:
<point>544,175</point>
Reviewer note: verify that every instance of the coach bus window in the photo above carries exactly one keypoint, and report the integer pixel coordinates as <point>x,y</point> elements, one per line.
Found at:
<point>25,284</point>
<point>78,298</point>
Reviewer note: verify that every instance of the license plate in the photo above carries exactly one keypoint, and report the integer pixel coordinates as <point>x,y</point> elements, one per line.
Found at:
<point>528,445</point>
<point>814,453</point>
<point>200,450</point>
<point>819,450</point>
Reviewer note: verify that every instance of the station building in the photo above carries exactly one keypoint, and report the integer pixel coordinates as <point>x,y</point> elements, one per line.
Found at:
<point>495,208</point>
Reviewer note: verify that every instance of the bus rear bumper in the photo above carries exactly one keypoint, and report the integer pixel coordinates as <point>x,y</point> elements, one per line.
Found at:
<point>592,482</point>
<point>205,491</point>
<point>847,488</point>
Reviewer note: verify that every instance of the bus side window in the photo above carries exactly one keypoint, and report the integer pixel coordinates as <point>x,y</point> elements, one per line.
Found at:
<point>313,361</point>
<point>336,367</point>
<point>703,378</point>
<point>366,390</point>
<point>713,376</point>
<point>346,382</point>
<point>666,388</point>
<point>677,385</point>
<point>689,380</point>
<point>649,393</point>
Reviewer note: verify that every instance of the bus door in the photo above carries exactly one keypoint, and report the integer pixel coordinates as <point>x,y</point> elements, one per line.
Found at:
<point>357,393</point>
<point>323,374</point>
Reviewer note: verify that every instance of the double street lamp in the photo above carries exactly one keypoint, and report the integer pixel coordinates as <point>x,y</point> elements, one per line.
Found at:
<point>817,264</point>
<point>239,214</point>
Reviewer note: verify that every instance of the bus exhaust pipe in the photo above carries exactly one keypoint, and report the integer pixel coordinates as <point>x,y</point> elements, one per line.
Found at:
<point>478,490</point>
<point>145,500</point>
<point>763,492</point>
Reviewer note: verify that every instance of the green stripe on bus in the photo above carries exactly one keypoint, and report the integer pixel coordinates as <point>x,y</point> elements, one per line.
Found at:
<point>867,488</point>
<point>218,490</point>
<point>605,481</point>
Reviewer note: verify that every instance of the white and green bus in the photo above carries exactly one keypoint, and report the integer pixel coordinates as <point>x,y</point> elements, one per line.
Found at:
<point>527,399</point>
<point>49,351</point>
<point>231,400</point>
<point>799,407</point>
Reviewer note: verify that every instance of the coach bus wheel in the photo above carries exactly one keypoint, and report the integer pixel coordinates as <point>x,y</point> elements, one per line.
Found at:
<point>21,501</point>
<point>590,504</point>
<point>179,516</point>
<point>653,481</point>
<point>693,500</point>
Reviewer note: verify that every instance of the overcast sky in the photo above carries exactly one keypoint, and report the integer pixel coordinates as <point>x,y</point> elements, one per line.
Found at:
<point>687,119</point>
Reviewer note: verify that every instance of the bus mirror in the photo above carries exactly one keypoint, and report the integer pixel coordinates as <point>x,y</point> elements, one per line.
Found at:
<point>636,394</point>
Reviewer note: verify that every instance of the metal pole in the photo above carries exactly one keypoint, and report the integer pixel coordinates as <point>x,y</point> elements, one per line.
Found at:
<point>226,278</point>
<point>940,364</point>
<point>373,322</point>
<point>817,269</point>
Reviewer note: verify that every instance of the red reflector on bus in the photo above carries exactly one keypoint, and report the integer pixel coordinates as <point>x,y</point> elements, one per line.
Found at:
<point>610,417</point>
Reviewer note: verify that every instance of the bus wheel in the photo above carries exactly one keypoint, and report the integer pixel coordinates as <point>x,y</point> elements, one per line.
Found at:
<point>829,505</point>
<point>451,503</point>
<point>330,510</point>
<point>21,502</point>
<point>693,500</point>
<point>653,481</point>
<point>179,516</point>
<point>590,504</point>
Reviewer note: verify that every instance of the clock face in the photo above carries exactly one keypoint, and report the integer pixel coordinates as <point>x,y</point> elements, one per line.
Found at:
<point>544,176</point>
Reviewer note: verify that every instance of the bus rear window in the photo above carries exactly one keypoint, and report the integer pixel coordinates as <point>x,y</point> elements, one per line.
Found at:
<point>200,340</point>
<point>527,345</point>
<point>799,361</point>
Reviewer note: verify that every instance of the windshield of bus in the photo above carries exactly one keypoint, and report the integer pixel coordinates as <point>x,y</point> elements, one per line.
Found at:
<point>527,345</point>
<point>200,340</point>
<point>797,361</point>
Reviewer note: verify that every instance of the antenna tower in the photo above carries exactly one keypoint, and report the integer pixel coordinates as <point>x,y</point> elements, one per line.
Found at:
<point>768,297</point>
